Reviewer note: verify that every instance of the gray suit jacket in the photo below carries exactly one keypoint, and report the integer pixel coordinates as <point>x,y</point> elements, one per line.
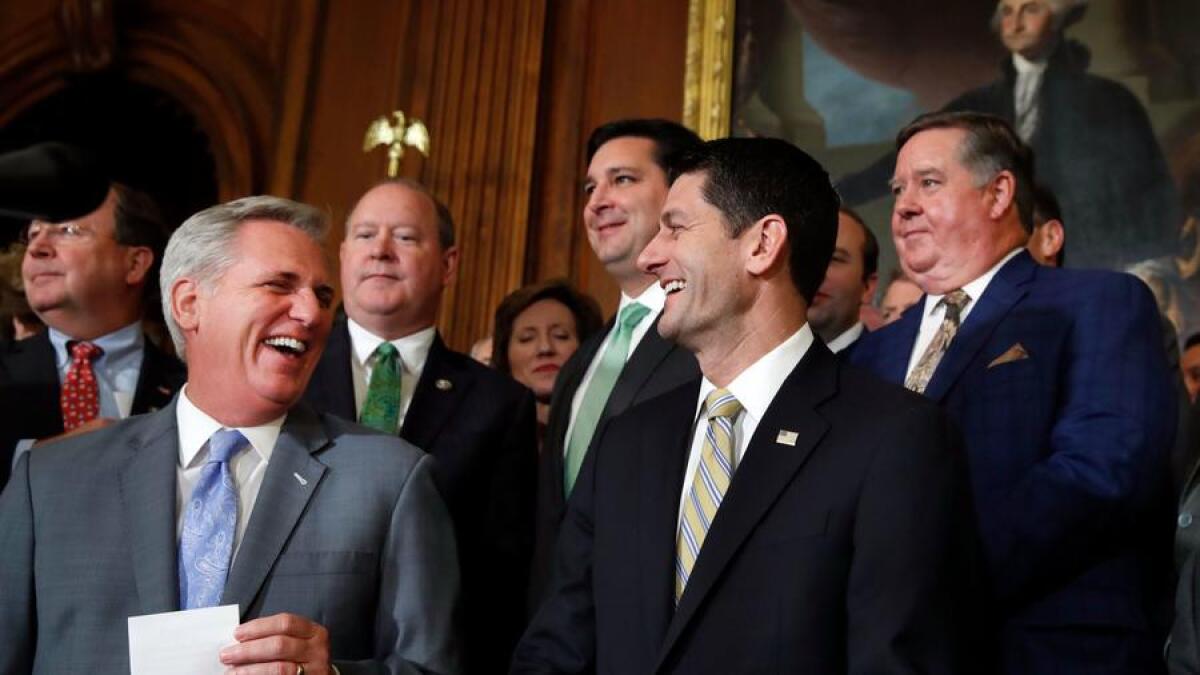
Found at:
<point>347,530</point>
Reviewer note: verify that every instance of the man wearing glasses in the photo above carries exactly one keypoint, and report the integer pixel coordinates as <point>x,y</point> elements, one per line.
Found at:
<point>90,281</point>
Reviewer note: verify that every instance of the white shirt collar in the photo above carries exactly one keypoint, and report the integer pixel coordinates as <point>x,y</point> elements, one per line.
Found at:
<point>846,339</point>
<point>756,386</point>
<point>1024,65</point>
<point>413,348</point>
<point>974,289</point>
<point>196,427</point>
<point>116,345</point>
<point>653,297</point>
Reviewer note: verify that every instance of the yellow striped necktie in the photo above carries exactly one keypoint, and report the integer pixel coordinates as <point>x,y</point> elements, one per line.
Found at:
<point>713,474</point>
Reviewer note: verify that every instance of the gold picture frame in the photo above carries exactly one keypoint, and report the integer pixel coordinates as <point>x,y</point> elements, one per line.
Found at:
<point>708,72</point>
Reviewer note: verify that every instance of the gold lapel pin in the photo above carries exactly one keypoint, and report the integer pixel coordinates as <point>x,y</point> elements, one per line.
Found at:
<point>786,437</point>
<point>443,385</point>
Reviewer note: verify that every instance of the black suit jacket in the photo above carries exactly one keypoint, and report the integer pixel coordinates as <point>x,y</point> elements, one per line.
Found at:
<point>30,391</point>
<point>481,428</point>
<point>655,367</point>
<point>845,552</point>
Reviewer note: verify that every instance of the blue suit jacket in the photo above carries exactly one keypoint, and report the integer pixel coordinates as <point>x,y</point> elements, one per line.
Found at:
<point>1058,381</point>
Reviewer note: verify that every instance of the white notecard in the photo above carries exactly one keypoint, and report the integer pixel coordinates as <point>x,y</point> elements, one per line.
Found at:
<point>181,643</point>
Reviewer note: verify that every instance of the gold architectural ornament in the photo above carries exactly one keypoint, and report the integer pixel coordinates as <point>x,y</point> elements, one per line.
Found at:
<point>395,137</point>
<point>708,76</point>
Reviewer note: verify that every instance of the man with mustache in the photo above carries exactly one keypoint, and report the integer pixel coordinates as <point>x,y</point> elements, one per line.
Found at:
<point>387,367</point>
<point>332,541</point>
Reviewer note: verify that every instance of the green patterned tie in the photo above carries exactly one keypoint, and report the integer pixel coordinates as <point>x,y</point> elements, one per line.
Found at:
<point>382,408</point>
<point>596,396</point>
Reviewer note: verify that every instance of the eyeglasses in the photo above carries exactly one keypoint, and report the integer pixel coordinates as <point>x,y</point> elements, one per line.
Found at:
<point>62,232</point>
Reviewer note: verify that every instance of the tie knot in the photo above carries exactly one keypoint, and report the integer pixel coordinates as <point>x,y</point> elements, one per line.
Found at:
<point>224,444</point>
<point>721,403</point>
<point>386,352</point>
<point>955,301</point>
<point>631,314</point>
<point>84,351</point>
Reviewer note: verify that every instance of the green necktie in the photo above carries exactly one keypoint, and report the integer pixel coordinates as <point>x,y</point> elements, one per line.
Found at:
<point>381,410</point>
<point>596,396</point>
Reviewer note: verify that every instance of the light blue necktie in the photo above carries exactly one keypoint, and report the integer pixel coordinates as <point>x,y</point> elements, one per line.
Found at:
<point>206,545</point>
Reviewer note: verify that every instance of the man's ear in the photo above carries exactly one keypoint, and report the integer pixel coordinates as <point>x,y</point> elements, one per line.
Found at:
<point>768,245</point>
<point>1003,192</point>
<point>138,263</point>
<point>449,265</point>
<point>185,305</point>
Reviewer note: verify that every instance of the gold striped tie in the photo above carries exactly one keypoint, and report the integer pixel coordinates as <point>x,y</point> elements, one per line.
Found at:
<point>709,484</point>
<point>955,301</point>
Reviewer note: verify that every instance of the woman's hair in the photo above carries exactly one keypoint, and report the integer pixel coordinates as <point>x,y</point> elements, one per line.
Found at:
<point>582,307</point>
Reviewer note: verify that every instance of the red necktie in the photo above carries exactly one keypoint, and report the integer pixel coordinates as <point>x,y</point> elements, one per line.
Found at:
<point>80,396</point>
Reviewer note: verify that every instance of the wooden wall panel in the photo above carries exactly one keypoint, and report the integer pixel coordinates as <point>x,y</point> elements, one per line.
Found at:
<point>609,59</point>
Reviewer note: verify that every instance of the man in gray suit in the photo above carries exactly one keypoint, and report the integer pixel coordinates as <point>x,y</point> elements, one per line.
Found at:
<point>331,539</point>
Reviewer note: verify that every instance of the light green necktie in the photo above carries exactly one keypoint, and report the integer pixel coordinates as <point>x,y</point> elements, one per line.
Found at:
<point>596,396</point>
<point>381,410</point>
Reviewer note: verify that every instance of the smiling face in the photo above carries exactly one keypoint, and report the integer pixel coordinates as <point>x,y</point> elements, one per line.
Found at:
<point>700,267</point>
<point>948,230</point>
<point>253,335</point>
<point>77,277</point>
<point>625,190</point>
<point>836,305</point>
<point>543,337</point>
<point>1027,27</point>
<point>393,266</point>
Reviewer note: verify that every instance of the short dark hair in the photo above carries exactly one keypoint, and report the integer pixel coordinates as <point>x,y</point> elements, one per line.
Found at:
<point>583,307</point>
<point>870,249</point>
<point>1191,341</point>
<point>749,178</point>
<point>670,138</point>
<point>138,221</point>
<point>445,221</point>
<point>1045,208</point>
<point>990,146</point>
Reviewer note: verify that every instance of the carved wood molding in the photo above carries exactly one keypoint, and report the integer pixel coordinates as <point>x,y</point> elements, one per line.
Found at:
<point>708,80</point>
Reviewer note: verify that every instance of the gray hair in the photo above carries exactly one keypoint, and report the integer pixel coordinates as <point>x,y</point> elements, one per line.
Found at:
<point>202,247</point>
<point>1066,12</point>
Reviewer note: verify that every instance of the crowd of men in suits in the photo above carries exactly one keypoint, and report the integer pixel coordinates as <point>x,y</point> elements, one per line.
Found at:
<point>736,475</point>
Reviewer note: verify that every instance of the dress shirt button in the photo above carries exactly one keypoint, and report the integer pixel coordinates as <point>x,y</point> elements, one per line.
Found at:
<point>1185,520</point>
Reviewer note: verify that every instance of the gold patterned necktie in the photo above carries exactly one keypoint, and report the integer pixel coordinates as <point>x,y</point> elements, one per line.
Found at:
<point>955,302</point>
<point>713,474</point>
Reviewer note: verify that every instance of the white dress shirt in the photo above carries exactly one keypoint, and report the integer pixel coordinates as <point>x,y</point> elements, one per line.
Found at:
<point>1025,94</point>
<point>248,466</point>
<point>846,339</point>
<point>755,388</point>
<point>932,313</point>
<point>413,350</point>
<point>653,297</point>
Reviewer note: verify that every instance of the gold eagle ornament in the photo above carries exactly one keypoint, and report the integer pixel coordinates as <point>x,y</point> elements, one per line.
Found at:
<point>395,137</point>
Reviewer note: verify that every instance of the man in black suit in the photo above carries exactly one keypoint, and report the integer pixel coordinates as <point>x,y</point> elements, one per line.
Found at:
<point>90,280</point>
<point>626,184</point>
<point>849,283</point>
<point>385,356</point>
<point>748,521</point>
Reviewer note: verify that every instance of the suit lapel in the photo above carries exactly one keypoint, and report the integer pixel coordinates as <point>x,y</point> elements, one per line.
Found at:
<point>663,457</point>
<point>147,489</point>
<point>766,469</point>
<point>280,504</point>
<point>437,396</point>
<point>332,386</point>
<point>1001,294</point>
<point>645,359</point>
<point>158,380</point>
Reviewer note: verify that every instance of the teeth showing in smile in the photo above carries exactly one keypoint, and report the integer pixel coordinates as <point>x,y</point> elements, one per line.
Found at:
<point>287,344</point>
<point>674,285</point>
